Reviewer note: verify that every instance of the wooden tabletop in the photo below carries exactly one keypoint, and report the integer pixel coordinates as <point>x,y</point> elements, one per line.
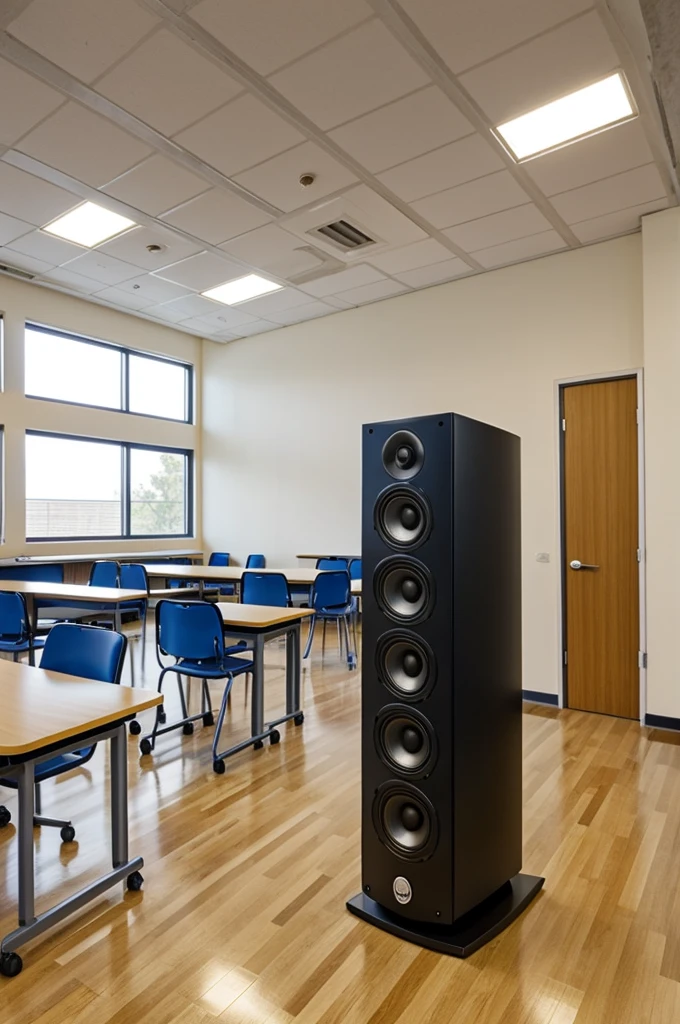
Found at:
<point>254,615</point>
<point>232,574</point>
<point>40,708</point>
<point>72,591</point>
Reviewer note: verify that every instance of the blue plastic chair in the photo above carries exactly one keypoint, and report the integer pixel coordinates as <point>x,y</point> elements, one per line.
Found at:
<point>331,564</point>
<point>15,628</point>
<point>256,562</point>
<point>193,634</point>
<point>83,651</point>
<point>104,574</point>
<point>355,574</point>
<point>133,576</point>
<point>355,569</point>
<point>265,588</point>
<point>221,589</point>
<point>331,600</point>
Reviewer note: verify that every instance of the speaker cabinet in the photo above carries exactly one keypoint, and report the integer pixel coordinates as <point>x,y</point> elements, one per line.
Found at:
<point>441,673</point>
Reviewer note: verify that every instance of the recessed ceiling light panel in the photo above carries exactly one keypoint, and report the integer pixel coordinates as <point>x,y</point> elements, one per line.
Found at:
<point>242,289</point>
<point>89,225</point>
<point>582,113</point>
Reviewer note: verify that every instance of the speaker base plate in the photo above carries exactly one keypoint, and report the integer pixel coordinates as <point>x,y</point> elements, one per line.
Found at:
<point>469,933</point>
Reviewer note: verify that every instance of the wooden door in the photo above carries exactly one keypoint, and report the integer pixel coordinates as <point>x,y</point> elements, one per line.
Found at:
<point>600,486</point>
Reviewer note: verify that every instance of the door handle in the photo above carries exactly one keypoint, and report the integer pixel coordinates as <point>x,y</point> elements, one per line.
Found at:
<point>581,565</point>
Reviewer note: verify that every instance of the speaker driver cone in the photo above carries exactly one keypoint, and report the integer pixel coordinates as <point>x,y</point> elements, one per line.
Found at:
<point>405,741</point>
<point>403,455</point>
<point>403,517</point>
<point>405,820</point>
<point>406,665</point>
<point>404,589</point>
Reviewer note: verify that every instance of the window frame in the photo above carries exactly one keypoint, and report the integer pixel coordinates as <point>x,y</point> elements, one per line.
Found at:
<point>125,352</point>
<point>126,497</point>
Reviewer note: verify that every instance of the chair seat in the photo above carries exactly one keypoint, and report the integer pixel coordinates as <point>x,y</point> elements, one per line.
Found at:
<point>212,669</point>
<point>12,648</point>
<point>334,613</point>
<point>55,766</point>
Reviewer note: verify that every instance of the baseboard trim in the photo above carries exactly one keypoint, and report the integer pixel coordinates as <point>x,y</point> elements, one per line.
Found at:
<point>662,722</point>
<point>536,697</point>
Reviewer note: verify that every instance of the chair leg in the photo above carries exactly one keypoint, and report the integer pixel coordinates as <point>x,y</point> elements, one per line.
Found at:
<point>37,807</point>
<point>351,655</point>
<point>323,639</point>
<point>310,637</point>
<point>144,639</point>
<point>131,656</point>
<point>182,699</point>
<point>31,655</point>
<point>220,718</point>
<point>337,623</point>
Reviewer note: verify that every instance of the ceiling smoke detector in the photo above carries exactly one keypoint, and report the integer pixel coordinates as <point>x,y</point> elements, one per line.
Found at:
<point>307,179</point>
<point>154,247</point>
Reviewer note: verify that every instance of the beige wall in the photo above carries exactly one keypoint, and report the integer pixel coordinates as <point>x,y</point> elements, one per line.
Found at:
<point>282,411</point>
<point>20,302</point>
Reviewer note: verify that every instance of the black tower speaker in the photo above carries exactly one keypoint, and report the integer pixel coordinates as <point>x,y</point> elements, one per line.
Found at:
<point>441,682</point>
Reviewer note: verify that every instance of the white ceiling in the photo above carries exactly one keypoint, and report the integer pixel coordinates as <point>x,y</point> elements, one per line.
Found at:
<point>196,118</point>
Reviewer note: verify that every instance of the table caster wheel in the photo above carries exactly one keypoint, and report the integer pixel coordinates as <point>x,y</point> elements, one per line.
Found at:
<point>274,736</point>
<point>299,719</point>
<point>5,817</point>
<point>145,746</point>
<point>134,881</point>
<point>11,964</point>
<point>258,745</point>
<point>188,728</point>
<point>135,728</point>
<point>209,718</point>
<point>68,834</point>
<point>219,767</point>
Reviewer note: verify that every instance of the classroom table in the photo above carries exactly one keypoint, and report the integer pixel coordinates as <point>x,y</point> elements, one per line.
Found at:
<point>45,714</point>
<point>34,591</point>
<point>232,574</point>
<point>348,558</point>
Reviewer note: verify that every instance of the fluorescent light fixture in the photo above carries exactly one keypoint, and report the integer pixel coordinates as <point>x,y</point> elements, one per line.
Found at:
<point>573,117</point>
<point>89,225</point>
<point>242,289</point>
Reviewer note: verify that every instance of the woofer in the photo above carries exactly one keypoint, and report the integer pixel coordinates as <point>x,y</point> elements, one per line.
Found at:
<point>405,820</point>
<point>404,589</point>
<point>403,517</point>
<point>405,741</point>
<point>403,455</point>
<point>406,665</point>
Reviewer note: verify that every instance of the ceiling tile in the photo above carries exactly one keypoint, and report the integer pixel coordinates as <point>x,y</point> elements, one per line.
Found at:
<point>409,257</point>
<point>194,305</point>
<point>568,58</point>
<point>216,216</point>
<point>618,223</point>
<point>59,142</point>
<point>102,268</point>
<point>29,263</point>
<point>499,227</point>
<point>631,188</point>
<point>451,165</point>
<point>83,36</point>
<point>520,249</point>
<point>332,284</point>
<point>373,292</point>
<point>287,298</point>
<point>201,272</point>
<point>31,199</point>
<point>467,34</point>
<point>337,302</point>
<point>11,228</point>
<point>167,83</point>
<point>277,180</point>
<point>156,185</point>
<point>436,274</point>
<point>259,327</point>
<point>131,300</point>
<point>474,199</point>
<point>350,76</point>
<point>153,289</point>
<point>226,317</point>
<point>132,247</point>
<point>166,312</point>
<point>270,33</point>
<point>403,129</point>
<point>273,249</point>
<point>379,216</point>
<point>223,337</point>
<point>47,247</point>
<point>196,326</point>
<point>68,279</point>
<point>310,311</point>
<point>31,101</point>
<point>243,133</point>
<point>610,152</point>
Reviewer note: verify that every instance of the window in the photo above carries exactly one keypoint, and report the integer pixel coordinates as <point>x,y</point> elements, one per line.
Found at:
<point>66,368</point>
<point>77,488</point>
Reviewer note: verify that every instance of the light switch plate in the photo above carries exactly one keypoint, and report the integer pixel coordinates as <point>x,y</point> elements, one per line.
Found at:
<point>543,556</point>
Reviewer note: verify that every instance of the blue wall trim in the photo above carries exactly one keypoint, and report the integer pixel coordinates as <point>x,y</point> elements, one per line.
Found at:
<point>662,722</point>
<point>547,698</point>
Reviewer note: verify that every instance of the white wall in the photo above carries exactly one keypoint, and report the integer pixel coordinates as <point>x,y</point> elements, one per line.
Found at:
<point>661,247</point>
<point>20,302</point>
<point>282,411</point>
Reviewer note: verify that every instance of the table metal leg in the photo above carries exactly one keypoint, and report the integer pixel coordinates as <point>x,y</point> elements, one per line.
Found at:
<point>257,697</point>
<point>293,670</point>
<point>26,788</point>
<point>119,796</point>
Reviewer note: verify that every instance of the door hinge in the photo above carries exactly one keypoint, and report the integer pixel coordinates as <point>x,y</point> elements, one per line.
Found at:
<point>564,425</point>
<point>639,555</point>
<point>637,416</point>
<point>565,657</point>
<point>642,659</point>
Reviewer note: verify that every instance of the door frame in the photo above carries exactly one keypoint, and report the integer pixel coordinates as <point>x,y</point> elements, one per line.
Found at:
<point>560,386</point>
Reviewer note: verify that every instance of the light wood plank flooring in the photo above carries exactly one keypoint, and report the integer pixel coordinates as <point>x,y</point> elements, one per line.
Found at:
<point>242,917</point>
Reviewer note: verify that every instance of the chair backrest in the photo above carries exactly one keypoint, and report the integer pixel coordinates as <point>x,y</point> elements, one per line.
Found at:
<point>355,569</point>
<point>219,558</point>
<point>191,630</point>
<point>133,577</point>
<point>87,651</point>
<point>14,625</point>
<point>104,574</point>
<point>330,590</point>
<point>255,562</point>
<point>265,588</point>
<point>331,563</point>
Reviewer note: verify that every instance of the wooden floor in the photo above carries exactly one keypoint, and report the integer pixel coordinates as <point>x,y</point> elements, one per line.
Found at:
<point>242,916</point>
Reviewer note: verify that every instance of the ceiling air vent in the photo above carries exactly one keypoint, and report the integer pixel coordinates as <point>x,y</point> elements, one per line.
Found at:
<point>345,235</point>
<point>15,272</point>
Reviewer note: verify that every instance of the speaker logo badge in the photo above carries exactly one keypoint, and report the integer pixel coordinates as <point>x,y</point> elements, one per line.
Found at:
<point>402,889</point>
